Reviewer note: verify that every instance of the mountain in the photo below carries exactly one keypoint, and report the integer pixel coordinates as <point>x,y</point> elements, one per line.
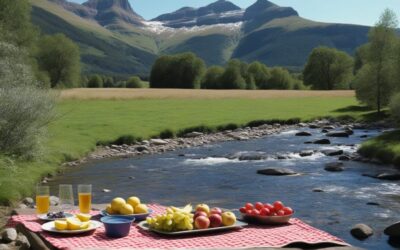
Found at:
<point>114,39</point>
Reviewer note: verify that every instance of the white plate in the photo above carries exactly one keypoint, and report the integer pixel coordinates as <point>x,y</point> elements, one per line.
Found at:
<point>49,227</point>
<point>45,218</point>
<point>239,224</point>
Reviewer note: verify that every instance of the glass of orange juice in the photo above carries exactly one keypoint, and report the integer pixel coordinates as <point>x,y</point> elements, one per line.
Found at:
<point>42,199</point>
<point>85,198</point>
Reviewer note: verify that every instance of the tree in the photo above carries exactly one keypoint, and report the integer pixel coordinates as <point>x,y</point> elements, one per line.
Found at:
<point>232,77</point>
<point>59,56</point>
<point>280,79</point>
<point>212,78</point>
<point>260,73</point>
<point>95,81</point>
<point>328,69</point>
<point>108,82</point>
<point>134,82</point>
<point>375,82</point>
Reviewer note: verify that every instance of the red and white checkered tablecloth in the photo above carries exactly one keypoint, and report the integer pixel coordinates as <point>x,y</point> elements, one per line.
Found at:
<point>248,237</point>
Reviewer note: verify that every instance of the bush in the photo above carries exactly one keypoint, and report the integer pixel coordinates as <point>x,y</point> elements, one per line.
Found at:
<point>212,78</point>
<point>280,79</point>
<point>108,82</point>
<point>167,134</point>
<point>95,82</point>
<point>134,82</point>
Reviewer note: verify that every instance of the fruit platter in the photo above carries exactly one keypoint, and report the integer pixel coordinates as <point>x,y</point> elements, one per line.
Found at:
<point>130,208</point>
<point>266,213</point>
<point>77,224</point>
<point>182,221</point>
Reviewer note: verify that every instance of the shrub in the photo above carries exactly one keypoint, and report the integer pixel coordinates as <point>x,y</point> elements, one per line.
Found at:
<point>212,78</point>
<point>134,82</point>
<point>280,79</point>
<point>167,134</point>
<point>95,82</point>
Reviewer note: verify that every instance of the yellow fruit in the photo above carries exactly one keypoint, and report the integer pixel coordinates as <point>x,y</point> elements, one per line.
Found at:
<point>109,210</point>
<point>84,217</point>
<point>85,225</point>
<point>126,209</point>
<point>60,225</point>
<point>228,219</point>
<point>133,201</point>
<point>117,203</point>
<point>73,224</point>
<point>141,209</point>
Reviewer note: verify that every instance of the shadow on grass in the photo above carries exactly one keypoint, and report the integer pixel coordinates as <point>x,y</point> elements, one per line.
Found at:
<point>366,113</point>
<point>354,108</point>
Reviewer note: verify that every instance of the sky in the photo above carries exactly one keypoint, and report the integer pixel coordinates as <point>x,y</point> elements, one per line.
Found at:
<point>364,12</point>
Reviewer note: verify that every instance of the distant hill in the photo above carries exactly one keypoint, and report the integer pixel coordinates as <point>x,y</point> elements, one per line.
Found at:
<point>114,39</point>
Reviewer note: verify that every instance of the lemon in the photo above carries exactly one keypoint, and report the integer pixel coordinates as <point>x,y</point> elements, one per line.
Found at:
<point>109,210</point>
<point>141,209</point>
<point>133,201</point>
<point>84,217</point>
<point>126,209</point>
<point>117,204</point>
<point>85,225</point>
<point>60,225</point>
<point>73,224</point>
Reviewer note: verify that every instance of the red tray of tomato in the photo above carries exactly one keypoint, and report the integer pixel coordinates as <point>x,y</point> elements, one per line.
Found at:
<point>267,214</point>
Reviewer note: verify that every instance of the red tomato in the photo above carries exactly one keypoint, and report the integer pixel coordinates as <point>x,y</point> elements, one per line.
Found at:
<point>243,210</point>
<point>259,205</point>
<point>265,211</point>
<point>280,213</point>
<point>249,211</point>
<point>288,210</point>
<point>278,205</point>
<point>273,214</point>
<point>269,206</point>
<point>249,206</point>
<point>255,212</point>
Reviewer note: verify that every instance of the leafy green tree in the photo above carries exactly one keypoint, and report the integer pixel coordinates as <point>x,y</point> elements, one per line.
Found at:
<point>375,82</point>
<point>95,81</point>
<point>232,77</point>
<point>280,79</point>
<point>212,78</point>
<point>59,56</point>
<point>134,82</point>
<point>108,82</point>
<point>328,69</point>
<point>360,58</point>
<point>260,73</point>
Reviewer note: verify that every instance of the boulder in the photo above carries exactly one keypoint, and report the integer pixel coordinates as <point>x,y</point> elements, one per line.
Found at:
<point>276,171</point>
<point>329,127</point>
<point>158,142</point>
<point>193,134</point>
<point>142,148</point>
<point>361,231</point>
<point>349,131</point>
<point>313,126</point>
<point>334,167</point>
<point>306,153</point>
<point>252,157</point>
<point>389,176</point>
<point>333,152</point>
<point>337,134</point>
<point>322,142</point>
<point>303,133</point>
<point>28,201</point>
<point>54,200</point>
<point>22,242</point>
<point>344,158</point>
<point>302,124</point>
<point>393,230</point>
<point>9,235</point>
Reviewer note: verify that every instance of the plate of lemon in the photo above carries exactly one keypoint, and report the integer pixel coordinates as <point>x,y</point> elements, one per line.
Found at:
<point>131,208</point>
<point>81,223</point>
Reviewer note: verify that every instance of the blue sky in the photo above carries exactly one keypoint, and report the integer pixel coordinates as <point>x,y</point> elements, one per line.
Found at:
<point>365,12</point>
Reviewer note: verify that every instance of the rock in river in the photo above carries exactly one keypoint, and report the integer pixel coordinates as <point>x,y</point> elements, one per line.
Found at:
<point>361,231</point>
<point>333,152</point>
<point>344,158</point>
<point>393,230</point>
<point>338,134</point>
<point>385,176</point>
<point>334,167</point>
<point>276,171</point>
<point>322,142</point>
<point>303,133</point>
<point>306,153</point>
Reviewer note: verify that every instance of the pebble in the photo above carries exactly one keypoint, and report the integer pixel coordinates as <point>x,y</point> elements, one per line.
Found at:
<point>306,153</point>
<point>361,231</point>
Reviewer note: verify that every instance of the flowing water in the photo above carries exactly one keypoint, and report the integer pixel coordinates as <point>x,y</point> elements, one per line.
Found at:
<point>204,174</point>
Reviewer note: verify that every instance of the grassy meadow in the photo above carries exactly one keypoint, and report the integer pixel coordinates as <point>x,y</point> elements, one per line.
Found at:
<point>87,117</point>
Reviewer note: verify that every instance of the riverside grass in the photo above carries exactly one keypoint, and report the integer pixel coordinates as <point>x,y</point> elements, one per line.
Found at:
<point>83,123</point>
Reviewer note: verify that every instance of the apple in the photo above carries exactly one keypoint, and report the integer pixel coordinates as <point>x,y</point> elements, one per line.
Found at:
<point>215,220</point>
<point>216,210</point>
<point>203,207</point>
<point>200,213</point>
<point>202,222</point>
<point>228,219</point>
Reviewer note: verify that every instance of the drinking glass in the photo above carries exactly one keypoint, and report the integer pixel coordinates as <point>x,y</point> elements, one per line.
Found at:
<point>66,197</point>
<point>85,198</point>
<point>42,199</point>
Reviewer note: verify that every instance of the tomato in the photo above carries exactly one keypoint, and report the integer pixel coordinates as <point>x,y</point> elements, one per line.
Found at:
<point>243,210</point>
<point>288,210</point>
<point>269,206</point>
<point>249,211</point>
<point>255,212</point>
<point>249,206</point>
<point>259,206</point>
<point>278,205</point>
<point>280,213</point>
<point>273,214</point>
<point>265,211</point>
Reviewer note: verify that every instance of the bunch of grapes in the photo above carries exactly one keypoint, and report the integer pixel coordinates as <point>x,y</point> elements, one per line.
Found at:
<point>173,220</point>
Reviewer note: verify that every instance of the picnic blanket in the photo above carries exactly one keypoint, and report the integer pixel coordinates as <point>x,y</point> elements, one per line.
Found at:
<point>249,237</point>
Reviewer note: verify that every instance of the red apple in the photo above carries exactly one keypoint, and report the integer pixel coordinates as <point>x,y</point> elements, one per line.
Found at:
<point>202,222</point>
<point>200,213</point>
<point>215,220</point>
<point>216,210</point>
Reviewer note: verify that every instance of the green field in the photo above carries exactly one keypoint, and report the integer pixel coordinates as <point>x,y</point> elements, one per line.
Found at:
<point>83,123</point>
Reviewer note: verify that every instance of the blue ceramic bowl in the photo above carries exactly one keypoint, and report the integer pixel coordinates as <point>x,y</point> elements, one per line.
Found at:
<point>117,227</point>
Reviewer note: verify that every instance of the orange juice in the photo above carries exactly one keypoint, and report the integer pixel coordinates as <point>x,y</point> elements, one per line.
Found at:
<point>42,204</point>
<point>85,202</point>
